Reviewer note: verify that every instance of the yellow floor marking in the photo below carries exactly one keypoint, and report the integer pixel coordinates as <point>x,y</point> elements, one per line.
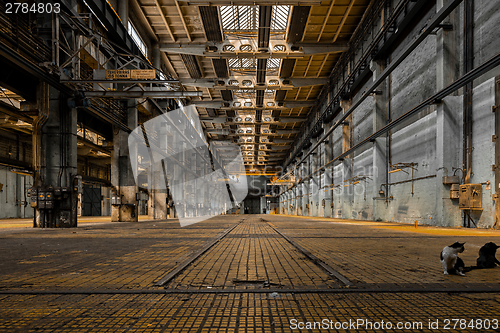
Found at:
<point>432,230</point>
<point>28,223</point>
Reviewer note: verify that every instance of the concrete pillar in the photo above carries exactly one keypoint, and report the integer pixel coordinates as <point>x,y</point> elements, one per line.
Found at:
<point>315,184</point>
<point>285,203</point>
<point>305,189</point>
<point>379,164</point>
<point>290,202</point>
<point>448,120</point>
<point>348,191</point>
<point>122,178</point>
<point>55,160</point>
<point>282,204</point>
<point>298,199</point>
<point>327,177</point>
<point>321,180</point>
<point>157,193</point>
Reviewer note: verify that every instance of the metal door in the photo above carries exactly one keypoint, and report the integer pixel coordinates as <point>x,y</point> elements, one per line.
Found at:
<point>91,201</point>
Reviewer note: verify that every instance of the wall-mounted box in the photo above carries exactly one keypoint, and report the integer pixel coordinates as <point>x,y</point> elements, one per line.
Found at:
<point>471,196</point>
<point>116,201</point>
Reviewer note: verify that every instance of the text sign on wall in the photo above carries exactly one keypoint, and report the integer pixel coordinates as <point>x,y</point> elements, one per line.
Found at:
<point>113,74</point>
<point>143,74</point>
<point>135,74</point>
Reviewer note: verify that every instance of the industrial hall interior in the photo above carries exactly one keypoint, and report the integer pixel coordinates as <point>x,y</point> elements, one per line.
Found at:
<point>249,165</point>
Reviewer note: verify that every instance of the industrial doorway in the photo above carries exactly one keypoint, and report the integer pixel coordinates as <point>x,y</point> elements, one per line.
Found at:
<point>253,205</point>
<point>91,200</point>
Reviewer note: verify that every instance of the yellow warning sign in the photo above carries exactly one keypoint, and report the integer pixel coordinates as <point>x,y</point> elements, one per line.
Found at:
<point>134,74</point>
<point>143,74</point>
<point>113,74</point>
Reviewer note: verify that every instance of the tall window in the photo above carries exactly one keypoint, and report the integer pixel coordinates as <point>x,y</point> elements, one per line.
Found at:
<point>137,39</point>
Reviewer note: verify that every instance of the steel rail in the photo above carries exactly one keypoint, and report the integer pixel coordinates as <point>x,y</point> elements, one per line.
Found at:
<point>318,262</point>
<point>167,278</point>
<point>484,289</point>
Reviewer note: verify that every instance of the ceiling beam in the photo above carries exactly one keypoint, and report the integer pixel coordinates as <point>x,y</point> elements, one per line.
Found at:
<point>344,18</point>
<point>183,20</point>
<point>265,16</point>
<point>210,23</point>
<point>144,19</point>
<point>297,24</point>
<point>293,51</point>
<point>139,94</point>
<point>308,65</point>
<point>164,19</point>
<point>322,65</point>
<point>325,20</point>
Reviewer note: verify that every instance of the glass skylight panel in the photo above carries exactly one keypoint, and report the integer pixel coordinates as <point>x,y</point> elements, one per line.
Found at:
<point>239,18</point>
<point>242,64</point>
<point>273,63</point>
<point>279,20</point>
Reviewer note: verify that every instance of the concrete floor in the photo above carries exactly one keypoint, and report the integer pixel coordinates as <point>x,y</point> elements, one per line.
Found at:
<point>104,276</point>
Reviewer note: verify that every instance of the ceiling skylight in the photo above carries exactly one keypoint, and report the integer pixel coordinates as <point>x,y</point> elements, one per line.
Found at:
<point>244,20</point>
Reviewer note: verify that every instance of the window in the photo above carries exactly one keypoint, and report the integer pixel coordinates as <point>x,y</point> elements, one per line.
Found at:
<point>279,48</point>
<point>246,48</point>
<point>137,39</point>
<point>279,20</point>
<point>239,18</point>
<point>273,63</point>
